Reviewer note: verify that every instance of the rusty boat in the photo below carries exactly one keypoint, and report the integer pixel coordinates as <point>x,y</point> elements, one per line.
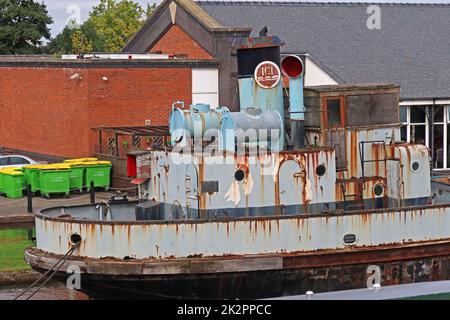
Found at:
<point>310,190</point>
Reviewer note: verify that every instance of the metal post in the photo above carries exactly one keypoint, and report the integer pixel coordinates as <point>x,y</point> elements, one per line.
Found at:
<point>117,145</point>
<point>100,141</point>
<point>92,192</point>
<point>29,199</point>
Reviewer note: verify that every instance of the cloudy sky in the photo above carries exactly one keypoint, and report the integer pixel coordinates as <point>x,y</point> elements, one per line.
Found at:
<point>64,10</point>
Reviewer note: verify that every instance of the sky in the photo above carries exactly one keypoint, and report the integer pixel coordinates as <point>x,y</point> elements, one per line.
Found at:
<point>64,10</point>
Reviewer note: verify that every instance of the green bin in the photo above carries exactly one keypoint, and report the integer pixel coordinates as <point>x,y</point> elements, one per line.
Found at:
<point>99,172</point>
<point>76,177</point>
<point>1,181</point>
<point>31,176</point>
<point>54,179</point>
<point>12,184</point>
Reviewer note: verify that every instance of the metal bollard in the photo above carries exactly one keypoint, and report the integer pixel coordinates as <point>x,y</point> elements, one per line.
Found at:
<point>92,191</point>
<point>29,199</point>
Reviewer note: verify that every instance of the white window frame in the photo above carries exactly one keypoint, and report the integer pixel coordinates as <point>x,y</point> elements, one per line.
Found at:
<point>445,123</point>
<point>408,123</point>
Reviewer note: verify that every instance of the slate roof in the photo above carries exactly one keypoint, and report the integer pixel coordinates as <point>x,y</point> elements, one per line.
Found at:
<point>412,48</point>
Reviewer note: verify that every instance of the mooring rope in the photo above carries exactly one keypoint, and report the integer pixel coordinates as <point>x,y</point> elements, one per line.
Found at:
<point>62,261</point>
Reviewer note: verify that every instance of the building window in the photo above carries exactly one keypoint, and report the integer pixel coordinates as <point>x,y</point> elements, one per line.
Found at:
<point>414,124</point>
<point>438,136</point>
<point>447,137</point>
<point>418,132</point>
<point>428,125</point>
<point>334,112</point>
<point>404,123</point>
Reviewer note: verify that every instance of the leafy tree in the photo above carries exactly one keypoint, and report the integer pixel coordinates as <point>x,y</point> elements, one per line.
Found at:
<point>109,26</point>
<point>151,8</point>
<point>116,22</point>
<point>88,29</point>
<point>23,24</point>
<point>62,43</point>
<point>80,43</point>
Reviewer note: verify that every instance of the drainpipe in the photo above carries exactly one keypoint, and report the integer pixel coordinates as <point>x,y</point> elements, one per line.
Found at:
<point>292,67</point>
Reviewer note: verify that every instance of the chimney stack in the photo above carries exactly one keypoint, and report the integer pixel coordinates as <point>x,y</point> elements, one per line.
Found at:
<point>292,67</point>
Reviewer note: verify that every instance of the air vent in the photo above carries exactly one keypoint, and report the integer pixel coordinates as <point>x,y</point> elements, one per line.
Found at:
<point>378,190</point>
<point>415,166</point>
<point>349,239</point>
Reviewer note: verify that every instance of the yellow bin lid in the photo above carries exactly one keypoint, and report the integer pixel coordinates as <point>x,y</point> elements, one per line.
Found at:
<point>96,163</point>
<point>12,172</point>
<point>55,166</point>
<point>80,160</point>
<point>34,166</point>
<point>75,164</point>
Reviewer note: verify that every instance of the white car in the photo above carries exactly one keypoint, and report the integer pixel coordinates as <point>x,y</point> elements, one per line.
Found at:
<point>14,160</point>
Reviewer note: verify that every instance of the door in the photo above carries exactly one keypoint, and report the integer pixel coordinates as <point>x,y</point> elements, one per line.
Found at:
<point>291,187</point>
<point>191,192</point>
<point>333,121</point>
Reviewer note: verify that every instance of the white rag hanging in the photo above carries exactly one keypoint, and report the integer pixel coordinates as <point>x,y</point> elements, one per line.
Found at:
<point>248,184</point>
<point>233,194</point>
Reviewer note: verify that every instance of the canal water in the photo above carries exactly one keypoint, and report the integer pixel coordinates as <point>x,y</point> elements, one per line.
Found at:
<point>54,291</point>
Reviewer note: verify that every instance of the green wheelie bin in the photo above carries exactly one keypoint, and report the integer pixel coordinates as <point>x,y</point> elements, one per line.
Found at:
<point>54,178</point>
<point>1,178</point>
<point>99,172</point>
<point>31,176</point>
<point>77,176</point>
<point>12,183</point>
<point>1,181</point>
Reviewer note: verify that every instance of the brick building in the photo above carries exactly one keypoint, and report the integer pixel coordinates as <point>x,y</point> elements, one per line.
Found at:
<point>48,106</point>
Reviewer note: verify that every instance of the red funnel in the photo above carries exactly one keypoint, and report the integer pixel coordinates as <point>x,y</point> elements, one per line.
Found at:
<point>292,66</point>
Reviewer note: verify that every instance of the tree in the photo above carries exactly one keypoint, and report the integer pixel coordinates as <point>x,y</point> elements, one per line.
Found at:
<point>80,43</point>
<point>109,26</point>
<point>23,24</point>
<point>151,8</point>
<point>88,29</point>
<point>116,22</point>
<point>62,43</point>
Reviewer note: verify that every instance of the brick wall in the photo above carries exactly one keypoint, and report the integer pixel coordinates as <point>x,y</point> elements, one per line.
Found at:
<point>176,41</point>
<point>43,111</point>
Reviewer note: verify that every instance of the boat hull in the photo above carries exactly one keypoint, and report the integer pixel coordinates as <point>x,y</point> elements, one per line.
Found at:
<point>245,278</point>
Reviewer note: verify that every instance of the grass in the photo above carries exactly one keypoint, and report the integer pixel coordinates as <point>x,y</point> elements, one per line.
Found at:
<point>12,245</point>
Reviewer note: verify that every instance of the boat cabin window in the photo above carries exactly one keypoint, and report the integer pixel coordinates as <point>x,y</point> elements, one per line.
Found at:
<point>334,112</point>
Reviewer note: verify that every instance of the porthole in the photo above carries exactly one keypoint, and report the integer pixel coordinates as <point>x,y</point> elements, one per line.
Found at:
<point>239,175</point>
<point>349,239</point>
<point>378,190</point>
<point>320,170</point>
<point>74,239</point>
<point>415,166</point>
